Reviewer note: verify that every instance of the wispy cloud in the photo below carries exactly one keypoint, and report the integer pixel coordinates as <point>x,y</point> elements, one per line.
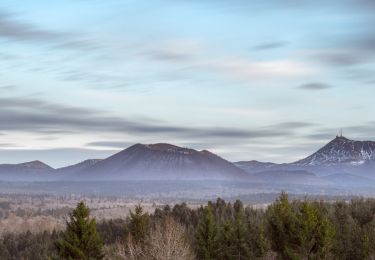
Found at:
<point>340,56</point>
<point>110,144</point>
<point>38,116</point>
<point>35,115</point>
<point>7,145</point>
<point>175,50</point>
<point>15,30</point>
<point>247,69</point>
<point>269,46</point>
<point>315,86</point>
<point>8,88</point>
<point>292,125</point>
<point>192,55</point>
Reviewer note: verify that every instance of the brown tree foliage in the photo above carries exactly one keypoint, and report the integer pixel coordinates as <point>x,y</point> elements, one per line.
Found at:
<point>166,241</point>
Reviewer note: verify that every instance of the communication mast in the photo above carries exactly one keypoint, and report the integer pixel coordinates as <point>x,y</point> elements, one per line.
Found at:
<point>339,135</point>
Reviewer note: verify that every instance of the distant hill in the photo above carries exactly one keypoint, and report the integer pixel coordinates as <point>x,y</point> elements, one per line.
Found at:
<point>277,173</point>
<point>72,169</point>
<point>255,166</point>
<point>162,162</point>
<point>33,170</point>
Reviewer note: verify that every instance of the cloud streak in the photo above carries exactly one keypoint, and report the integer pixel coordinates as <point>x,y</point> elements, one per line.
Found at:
<point>269,46</point>
<point>38,116</point>
<point>110,144</point>
<point>250,70</point>
<point>314,86</point>
<point>177,50</point>
<point>193,56</point>
<point>20,31</point>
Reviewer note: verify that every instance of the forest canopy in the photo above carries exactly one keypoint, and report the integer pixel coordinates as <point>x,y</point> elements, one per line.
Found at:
<point>286,229</point>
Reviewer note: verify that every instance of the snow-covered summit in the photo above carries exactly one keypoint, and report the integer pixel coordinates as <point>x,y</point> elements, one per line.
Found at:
<point>341,150</point>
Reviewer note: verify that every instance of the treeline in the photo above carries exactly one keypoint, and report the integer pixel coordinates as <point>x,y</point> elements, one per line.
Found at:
<point>219,230</point>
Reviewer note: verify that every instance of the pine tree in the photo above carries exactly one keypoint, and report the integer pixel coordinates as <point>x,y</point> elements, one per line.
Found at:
<point>300,230</point>
<point>282,223</point>
<point>226,242</point>
<point>351,241</point>
<point>207,236</point>
<point>315,232</point>
<point>261,244</point>
<point>80,240</point>
<point>239,235</point>
<point>139,224</point>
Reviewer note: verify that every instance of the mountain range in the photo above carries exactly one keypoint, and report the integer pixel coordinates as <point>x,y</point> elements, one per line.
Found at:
<point>341,161</point>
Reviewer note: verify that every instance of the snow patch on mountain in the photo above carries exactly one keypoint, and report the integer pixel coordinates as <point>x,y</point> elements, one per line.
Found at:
<point>341,151</point>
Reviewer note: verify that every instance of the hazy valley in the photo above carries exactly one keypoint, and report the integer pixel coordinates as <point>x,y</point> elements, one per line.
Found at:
<point>343,167</point>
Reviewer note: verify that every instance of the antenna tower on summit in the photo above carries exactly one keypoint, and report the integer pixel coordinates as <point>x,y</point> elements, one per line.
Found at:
<point>340,132</point>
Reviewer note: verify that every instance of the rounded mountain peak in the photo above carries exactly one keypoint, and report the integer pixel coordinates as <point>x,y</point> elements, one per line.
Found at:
<point>163,147</point>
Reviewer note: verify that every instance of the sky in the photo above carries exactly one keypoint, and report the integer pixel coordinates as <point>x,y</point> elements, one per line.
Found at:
<point>249,80</point>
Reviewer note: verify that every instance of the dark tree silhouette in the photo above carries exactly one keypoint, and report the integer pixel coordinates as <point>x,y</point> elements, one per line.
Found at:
<point>80,240</point>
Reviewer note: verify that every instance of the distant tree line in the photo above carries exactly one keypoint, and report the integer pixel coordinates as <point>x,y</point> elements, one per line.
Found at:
<point>219,230</point>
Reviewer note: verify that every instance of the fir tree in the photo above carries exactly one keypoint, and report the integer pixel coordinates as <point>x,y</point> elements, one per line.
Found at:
<point>282,222</point>
<point>300,230</point>
<point>139,224</point>
<point>351,241</point>
<point>239,235</point>
<point>261,244</point>
<point>207,236</point>
<point>226,242</point>
<point>315,231</point>
<point>80,240</point>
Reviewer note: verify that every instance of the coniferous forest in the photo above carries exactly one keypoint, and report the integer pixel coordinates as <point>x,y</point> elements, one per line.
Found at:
<point>286,229</point>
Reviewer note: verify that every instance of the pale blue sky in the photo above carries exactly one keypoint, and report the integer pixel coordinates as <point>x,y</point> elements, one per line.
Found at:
<point>265,80</point>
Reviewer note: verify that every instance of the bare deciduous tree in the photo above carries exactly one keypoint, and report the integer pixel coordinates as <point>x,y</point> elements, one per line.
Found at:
<point>167,242</point>
<point>128,250</point>
<point>164,242</point>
